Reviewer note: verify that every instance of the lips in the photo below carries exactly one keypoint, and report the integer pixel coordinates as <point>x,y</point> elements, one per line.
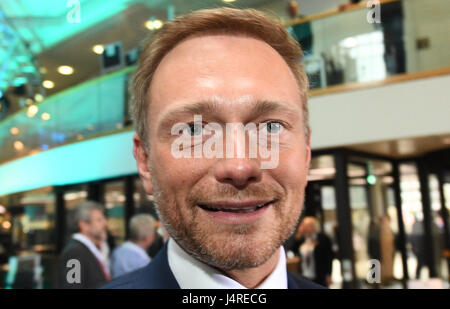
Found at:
<point>235,207</point>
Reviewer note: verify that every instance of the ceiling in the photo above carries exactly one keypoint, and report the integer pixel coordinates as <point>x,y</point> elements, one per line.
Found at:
<point>50,36</point>
<point>406,147</point>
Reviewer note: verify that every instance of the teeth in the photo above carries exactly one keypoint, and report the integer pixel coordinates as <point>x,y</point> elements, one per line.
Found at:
<point>236,209</point>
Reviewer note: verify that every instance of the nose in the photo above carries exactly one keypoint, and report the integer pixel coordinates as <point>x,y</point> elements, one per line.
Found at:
<point>237,172</point>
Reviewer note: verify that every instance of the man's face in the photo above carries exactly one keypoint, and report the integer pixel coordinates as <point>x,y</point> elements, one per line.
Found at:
<point>95,228</point>
<point>309,227</point>
<point>209,205</point>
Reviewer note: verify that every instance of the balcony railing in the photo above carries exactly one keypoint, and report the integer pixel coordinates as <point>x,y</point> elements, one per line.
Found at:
<point>89,109</point>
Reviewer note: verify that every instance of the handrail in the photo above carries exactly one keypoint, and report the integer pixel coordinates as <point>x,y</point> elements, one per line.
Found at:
<point>73,89</point>
<point>90,137</point>
<point>383,82</point>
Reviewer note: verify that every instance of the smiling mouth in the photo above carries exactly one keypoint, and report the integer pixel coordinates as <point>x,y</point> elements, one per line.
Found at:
<point>246,207</point>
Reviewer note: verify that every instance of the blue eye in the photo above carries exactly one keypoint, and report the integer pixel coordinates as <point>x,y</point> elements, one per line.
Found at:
<point>274,127</point>
<point>193,129</point>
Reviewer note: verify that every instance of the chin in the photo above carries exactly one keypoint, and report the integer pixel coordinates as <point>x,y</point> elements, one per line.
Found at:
<point>228,251</point>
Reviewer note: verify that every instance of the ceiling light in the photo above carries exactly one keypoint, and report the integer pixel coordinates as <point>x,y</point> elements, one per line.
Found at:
<point>14,131</point>
<point>18,145</point>
<point>98,49</point>
<point>32,111</point>
<point>157,24</point>
<point>153,24</point>
<point>228,1</point>
<point>38,97</point>
<point>45,116</point>
<point>65,70</point>
<point>6,225</point>
<point>48,84</point>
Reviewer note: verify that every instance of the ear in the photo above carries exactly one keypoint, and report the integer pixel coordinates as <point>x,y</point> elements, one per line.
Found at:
<point>141,156</point>
<point>82,226</point>
<point>308,151</point>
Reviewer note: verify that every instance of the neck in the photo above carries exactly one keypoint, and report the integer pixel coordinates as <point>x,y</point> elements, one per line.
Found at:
<point>96,242</point>
<point>139,243</point>
<point>252,277</point>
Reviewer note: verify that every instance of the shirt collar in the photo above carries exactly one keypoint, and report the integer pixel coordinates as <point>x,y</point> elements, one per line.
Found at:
<point>91,246</point>
<point>191,273</point>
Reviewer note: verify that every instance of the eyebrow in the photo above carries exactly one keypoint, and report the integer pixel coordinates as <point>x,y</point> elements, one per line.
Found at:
<point>204,108</point>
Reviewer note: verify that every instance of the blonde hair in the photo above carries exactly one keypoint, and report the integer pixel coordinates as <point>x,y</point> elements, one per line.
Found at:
<point>248,22</point>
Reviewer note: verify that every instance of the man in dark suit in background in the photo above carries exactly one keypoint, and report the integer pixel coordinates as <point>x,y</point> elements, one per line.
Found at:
<point>227,216</point>
<point>82,265</point>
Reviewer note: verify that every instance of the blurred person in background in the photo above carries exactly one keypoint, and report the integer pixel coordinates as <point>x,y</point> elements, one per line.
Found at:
<point>417,240</point>
<point>315,251</point>
<point>132,254</point>
<point>161,237</point>
<point>83,263</point>
<point>387,249</point>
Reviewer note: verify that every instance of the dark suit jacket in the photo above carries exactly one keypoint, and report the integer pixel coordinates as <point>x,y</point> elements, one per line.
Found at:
<point>91,272</point>
<point>157,275</point>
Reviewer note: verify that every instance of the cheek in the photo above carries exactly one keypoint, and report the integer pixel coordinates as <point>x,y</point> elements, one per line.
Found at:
<point>177,175</point>
<point>292,167</point>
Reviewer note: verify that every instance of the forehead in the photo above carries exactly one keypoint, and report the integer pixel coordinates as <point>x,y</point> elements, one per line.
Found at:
<point>228,67</point>
<point>95,213</point>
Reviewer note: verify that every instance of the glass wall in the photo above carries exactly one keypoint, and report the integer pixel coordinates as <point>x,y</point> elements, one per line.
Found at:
<point>359,45</point>
<point>86,110</point>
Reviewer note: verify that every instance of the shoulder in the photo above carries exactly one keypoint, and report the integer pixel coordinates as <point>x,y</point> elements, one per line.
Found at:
<point>131,280</point>
<point>119,251</point>
<point>156,275</point>
<point>74,248</point>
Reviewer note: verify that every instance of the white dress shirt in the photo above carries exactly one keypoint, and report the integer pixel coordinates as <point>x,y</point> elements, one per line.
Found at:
<point>191,273</point>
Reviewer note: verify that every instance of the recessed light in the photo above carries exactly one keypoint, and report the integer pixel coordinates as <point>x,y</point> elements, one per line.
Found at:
<point>65,70</point>
<point>153,24</point>
<point>157,24</point>
<point>6,225</point>
<point>98,49</point>
<point>32,110</point>
<point>48,84</point>
<point>38,97</point>
<point>18,145</point>
<point>14,131</point>
<point>45,116</point>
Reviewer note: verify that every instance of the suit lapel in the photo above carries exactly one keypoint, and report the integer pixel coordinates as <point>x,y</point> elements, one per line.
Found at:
<point>291,283</point>
<point>158,274</point>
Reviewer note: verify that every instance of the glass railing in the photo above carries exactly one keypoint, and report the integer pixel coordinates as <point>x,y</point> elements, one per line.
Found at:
<point>341,47</point>
<point>89,109</point>
<point>365,43</point>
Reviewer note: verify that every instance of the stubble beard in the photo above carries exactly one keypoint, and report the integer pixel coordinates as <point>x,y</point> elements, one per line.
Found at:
<point>225,247</point>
